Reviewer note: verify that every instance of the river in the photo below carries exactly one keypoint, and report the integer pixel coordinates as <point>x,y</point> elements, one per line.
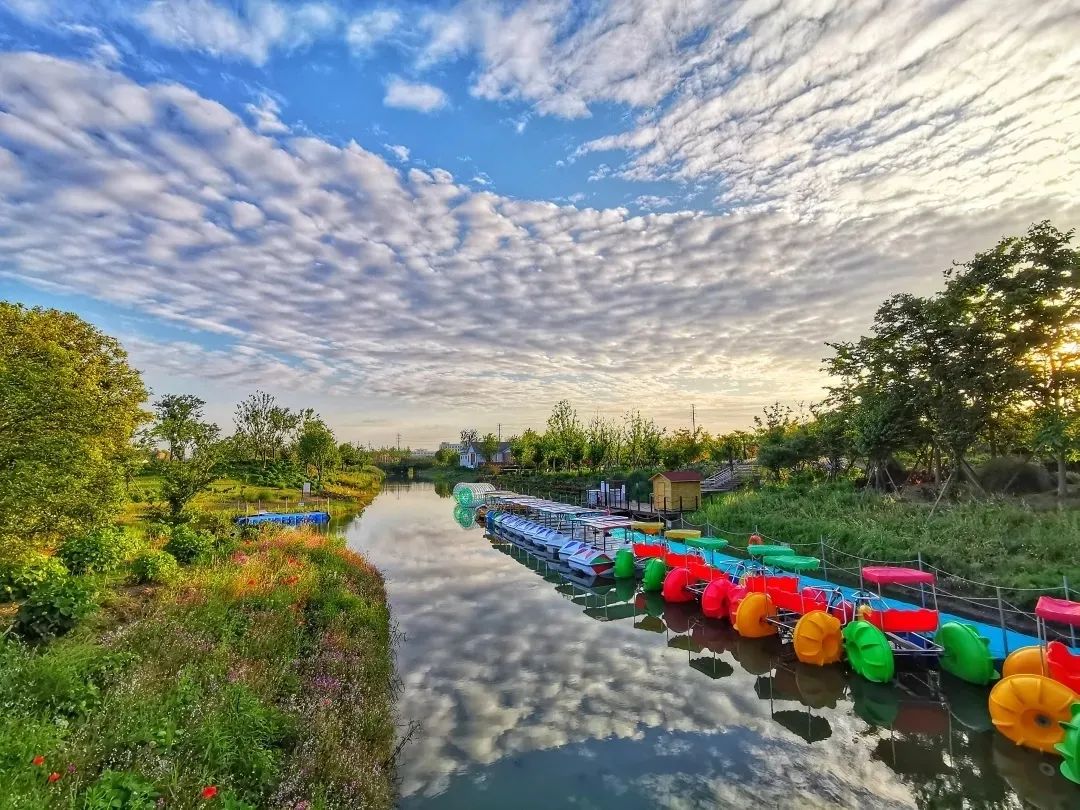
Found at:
<point>532,693</point>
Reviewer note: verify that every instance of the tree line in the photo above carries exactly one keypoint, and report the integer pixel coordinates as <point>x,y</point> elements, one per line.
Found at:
<point>988,366</point>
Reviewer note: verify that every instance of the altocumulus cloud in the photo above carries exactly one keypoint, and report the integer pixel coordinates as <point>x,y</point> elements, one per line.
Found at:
<point>328,261</point>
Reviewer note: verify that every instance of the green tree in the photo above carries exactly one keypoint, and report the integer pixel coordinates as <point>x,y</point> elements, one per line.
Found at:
<point>195,453</point>
<point>1028,289</point>
<point>489,446</point>
<point>69,406</point>
<point>565,435</point>
<point>642,440</point>
<point>318,447</point>
<point>264,428</point>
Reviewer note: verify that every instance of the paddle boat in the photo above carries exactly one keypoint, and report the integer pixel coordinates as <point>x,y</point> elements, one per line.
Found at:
<point>1037,702</point>
<point>283,518</point>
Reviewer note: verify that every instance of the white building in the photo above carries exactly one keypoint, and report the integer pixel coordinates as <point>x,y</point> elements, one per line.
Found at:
<point>471,457</point>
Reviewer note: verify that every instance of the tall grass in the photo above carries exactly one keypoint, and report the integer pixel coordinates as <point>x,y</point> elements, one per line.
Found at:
<point>1003,542</point>
<point>267,676</point>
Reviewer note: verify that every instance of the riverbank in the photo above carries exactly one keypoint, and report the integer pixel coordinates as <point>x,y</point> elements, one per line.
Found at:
<point>1003,541</point>
<point>260,676</point>
<point>344,493</point>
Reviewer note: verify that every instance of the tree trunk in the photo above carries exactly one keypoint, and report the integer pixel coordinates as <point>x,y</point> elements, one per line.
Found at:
<point>1061,478</point>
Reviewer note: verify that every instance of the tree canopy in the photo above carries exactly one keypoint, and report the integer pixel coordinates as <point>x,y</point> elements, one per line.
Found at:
<point>70,404</point>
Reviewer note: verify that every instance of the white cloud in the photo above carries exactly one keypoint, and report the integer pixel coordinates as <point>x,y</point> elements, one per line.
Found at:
<point>367,30</point>
<point>251,33</point>
<point>139,195</point>
<point>398,151</point>
<point>266,114</point>
<point>414,95</point>
<point>651,201</point>
<point>245,215</point>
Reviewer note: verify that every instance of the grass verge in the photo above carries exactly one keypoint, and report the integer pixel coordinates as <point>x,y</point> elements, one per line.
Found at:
<point>1001,541</point>
<point>263,679</point>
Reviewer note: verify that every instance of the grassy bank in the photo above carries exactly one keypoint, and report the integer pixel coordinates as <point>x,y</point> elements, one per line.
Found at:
<point>1002,541</point>
<point>260,676</point>
<point>349,491</point>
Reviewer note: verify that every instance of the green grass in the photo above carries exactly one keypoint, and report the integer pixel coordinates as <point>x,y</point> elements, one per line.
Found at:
<point>267,675</point>
<point>1003,541</point>
<point>349,491</point>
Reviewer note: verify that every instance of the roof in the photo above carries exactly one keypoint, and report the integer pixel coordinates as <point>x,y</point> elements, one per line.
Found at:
<point>678,476</point>
<point>475,446</point>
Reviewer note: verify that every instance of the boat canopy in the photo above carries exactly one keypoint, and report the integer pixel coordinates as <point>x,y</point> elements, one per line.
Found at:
<point>1058,610</point>
<point>603,523</point>
<point>896,575</point>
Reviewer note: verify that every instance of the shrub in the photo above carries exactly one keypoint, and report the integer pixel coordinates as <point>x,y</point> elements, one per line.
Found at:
<point>153,567</point>
<point>97,552</point>
<point>188,545</point>
<point>54,608</point>
<point>22,576</point>
<point>121,790</point>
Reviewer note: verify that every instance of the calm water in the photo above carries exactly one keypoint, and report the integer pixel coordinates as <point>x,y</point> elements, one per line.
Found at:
<point>535,694</point>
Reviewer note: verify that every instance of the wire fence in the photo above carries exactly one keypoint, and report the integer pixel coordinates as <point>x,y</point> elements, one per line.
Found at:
<point>982,601</point>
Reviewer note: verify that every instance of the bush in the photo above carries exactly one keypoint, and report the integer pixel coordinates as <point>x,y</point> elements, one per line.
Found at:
<point>153,567</point>
<point>21,577</point>
<point>98,552</point>
<point>1015,476</point>
<point>121,790</point>
<point>190,546</point>
<point>54,608</point>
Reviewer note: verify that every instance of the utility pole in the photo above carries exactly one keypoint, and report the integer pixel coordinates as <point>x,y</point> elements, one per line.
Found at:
<point>399,441</point>
<point>500,432</point>
<point>693,418</point>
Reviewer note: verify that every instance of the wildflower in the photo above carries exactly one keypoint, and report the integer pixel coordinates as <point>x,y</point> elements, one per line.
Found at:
<point>303,804</point>
<point>208,792</point>
<point>251,582</point>
<point>71,768</point>
<point>39,760</point>
<point>53,776</point>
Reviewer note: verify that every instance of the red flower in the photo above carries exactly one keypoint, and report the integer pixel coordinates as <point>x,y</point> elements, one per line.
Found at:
<point>251,582</point>
<point>39,760</point>
<point>209,792</point>
<point>53,776</point>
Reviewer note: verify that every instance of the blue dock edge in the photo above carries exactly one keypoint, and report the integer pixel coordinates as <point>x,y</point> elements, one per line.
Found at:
<point>283,518</point>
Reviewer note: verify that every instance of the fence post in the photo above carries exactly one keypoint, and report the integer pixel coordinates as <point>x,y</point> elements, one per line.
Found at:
<point>1072,628</point>
<point>824,563</point>
<point>1001,618</point>
<point>922,588</point>
<point>858,562</point>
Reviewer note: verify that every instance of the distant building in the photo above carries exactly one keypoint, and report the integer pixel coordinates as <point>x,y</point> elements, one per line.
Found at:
<point>421,453</point>
<point>455,446</point>
<point>471,457</point>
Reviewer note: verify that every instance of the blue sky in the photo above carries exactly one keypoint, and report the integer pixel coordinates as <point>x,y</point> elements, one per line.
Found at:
<point>421,216</point>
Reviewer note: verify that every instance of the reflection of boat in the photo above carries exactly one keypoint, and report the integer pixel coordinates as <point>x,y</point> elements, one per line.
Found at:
<point>1033,776</point>
<point>712,666</point>
<point>807,725</point>
<point>917,709</point>
<point>967,703</point>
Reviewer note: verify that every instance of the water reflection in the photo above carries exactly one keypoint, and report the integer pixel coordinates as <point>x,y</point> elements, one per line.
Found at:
<point>537,692</point>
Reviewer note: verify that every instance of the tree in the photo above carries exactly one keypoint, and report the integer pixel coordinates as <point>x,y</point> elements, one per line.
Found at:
<point>264,428</point>
<point>565,435</point>
<point>1028,288</point>
<point>642,440</point>
<point>177,422</point>
<point>69,406</point>
<point>447,457</point>
<point>489,446</point>
<point>469,436</point>
<point>195,450</point>
<point>318,447</point>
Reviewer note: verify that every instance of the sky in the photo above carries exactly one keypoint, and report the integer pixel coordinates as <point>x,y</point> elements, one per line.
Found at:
<point>419,217</point>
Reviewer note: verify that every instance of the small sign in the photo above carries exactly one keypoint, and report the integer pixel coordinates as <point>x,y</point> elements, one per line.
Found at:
<point>307,488</point>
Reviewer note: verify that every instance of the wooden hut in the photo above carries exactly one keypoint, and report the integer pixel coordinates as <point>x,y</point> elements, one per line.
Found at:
<point>676,490</point>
